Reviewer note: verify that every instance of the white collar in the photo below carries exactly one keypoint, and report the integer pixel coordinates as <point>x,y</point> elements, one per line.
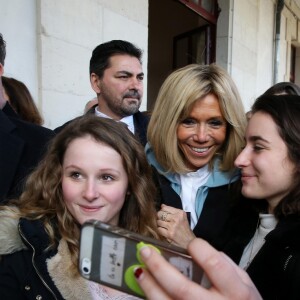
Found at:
<point>127,120</point>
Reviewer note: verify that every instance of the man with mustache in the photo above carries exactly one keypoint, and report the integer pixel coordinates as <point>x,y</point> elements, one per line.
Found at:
<point>116,76</point>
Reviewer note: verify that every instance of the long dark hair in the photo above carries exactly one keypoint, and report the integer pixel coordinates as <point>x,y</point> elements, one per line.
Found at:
<point>21,100</point>
<point>283,88</point>
<point>285,112</point>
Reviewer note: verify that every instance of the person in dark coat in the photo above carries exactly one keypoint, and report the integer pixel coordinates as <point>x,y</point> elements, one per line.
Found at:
<point>263,235</point>
<point>22,147</point>
<point>116,76</point>
<point>22,144</point>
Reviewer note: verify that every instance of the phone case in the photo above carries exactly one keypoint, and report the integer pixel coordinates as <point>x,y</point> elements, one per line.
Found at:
<point>109,255</point>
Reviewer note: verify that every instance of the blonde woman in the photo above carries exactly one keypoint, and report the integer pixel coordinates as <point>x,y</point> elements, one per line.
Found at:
<point>195,133</point>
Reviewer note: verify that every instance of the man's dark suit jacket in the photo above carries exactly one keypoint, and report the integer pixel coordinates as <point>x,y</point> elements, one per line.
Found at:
<point>140,120</point>
<point>22,145</point>
<point>8,110</point>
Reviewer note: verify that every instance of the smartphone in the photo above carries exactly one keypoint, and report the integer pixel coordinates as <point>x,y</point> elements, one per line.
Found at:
<point>110,254</point>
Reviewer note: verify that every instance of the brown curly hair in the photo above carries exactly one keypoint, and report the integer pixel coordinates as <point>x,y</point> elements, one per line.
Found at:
<point>42,197</point>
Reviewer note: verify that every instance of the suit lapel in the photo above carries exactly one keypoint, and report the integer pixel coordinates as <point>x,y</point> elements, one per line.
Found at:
<point>140,126</point>
<point>11,148</point>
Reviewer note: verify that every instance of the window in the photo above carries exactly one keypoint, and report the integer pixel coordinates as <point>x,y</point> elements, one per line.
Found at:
<point>195,46</point>
<point>293,64</point>
<point>208,9</point>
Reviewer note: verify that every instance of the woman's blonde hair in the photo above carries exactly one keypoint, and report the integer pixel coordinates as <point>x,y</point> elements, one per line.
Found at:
<point>42,198</point>
<point>175,100</point>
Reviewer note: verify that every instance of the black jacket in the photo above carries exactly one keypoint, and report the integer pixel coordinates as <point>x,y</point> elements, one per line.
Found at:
<point>23,274</point>
<point>140,120</point>
<point>22,145</point>
<point>275,270</point>
<point>216,210</point>
<point>29,270</point>
<point>9,111</point>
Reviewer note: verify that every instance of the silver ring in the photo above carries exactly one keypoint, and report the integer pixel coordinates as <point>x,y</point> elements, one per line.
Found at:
<point>164,216</point>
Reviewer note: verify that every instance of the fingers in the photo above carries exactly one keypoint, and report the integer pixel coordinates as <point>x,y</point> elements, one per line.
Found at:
<point>163,216</point>
<point>226,277</point>
<point>170,209</point>
<point>164,212</point>
<point>171,281</point>
<point>151,288</point>
<point>171,214</point>
<point>163,281</point>
<point>212,261</point>
<point>165,233</point>
<point>174,226</point>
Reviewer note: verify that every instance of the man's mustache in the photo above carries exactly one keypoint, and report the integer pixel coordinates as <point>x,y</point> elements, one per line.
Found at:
<point>133,94</point>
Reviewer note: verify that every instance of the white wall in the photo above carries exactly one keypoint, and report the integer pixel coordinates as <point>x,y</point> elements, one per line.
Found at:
<point>245,45</point>
<point>18,27</point>
<point>265,47</point>
<point>49,44</point>
<point>290,34</point>
<point>57,38</point>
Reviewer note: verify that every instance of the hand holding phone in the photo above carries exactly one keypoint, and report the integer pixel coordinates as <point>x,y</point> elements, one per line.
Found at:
<point>109,255</point>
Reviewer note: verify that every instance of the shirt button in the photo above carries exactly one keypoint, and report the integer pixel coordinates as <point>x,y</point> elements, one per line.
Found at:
<point>27,288</point>
<point>38,297</point>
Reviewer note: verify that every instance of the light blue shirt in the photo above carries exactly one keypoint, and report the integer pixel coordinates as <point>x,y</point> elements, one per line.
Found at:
<point>216,178</point>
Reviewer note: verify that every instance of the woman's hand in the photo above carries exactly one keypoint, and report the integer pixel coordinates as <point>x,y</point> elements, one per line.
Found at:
<point>163,281</point>
<point>174,226</point>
